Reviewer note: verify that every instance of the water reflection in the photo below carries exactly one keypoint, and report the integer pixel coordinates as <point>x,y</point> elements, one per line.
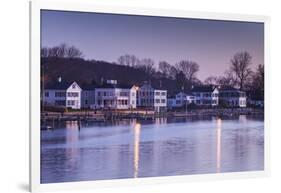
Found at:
<point>218,144</point>
<point>72,139</point>
<point>161,147</point>
<point>137,130</point>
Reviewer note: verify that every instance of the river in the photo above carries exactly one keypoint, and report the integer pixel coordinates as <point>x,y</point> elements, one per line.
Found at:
<point>163,147</point>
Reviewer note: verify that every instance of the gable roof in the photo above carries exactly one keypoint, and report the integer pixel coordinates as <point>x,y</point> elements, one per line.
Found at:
<point>114,86</point>
<point>58,85</point>
<point>204,88</point>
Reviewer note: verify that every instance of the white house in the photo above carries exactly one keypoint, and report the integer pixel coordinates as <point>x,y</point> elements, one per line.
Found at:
<point>181,99</point>
<point>149,97</point>
<point>114,96</point>
<point>63,94</point>
<point>232,97</point>
<point>206,95</point>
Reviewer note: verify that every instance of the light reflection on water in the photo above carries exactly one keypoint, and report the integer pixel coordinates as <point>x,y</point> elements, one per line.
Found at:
<point>130,149</point>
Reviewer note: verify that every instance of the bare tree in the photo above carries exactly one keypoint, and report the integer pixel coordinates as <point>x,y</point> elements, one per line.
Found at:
<point>146,65</point>
<point>227,80</point>
<point>189,68</point>
<point>44,52</point>
<point>211,80</point>
<point>128,60</point>
<point>73,52</point>
<point>61,51</point>
<point>240,66</point>
<point>164,67</point>
<point>53,52</point>
<point>172,72</point>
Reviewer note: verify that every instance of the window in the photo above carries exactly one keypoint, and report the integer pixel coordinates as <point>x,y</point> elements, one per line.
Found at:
<point>46,94</point>
<point>157,93</point>
<point>59,94</point>
<point>71,102</point>
<point>123,93</point>
<point>163,101</point>
<point>157,101</point>
<point>86,102</point>
<point>60,102</point>
<point>73,86</point>
<point>163,93</point>
<point>73,94</point>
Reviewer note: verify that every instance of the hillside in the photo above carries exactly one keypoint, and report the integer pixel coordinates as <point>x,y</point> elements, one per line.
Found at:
<point>92,72</point>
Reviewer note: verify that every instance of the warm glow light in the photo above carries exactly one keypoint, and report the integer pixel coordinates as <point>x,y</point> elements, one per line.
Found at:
<point>137,130</point>
<point>219,145</point>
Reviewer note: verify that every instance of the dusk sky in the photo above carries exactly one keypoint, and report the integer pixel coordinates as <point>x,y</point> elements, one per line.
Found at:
<point>106,36</point>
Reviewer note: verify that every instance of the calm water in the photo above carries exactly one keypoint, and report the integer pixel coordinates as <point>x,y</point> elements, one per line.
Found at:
<point>129,149</point>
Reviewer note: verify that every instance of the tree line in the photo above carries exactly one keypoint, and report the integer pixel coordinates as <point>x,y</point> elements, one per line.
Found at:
<point>239,74</point>
<point>61,51</point>
<point>184,73</point>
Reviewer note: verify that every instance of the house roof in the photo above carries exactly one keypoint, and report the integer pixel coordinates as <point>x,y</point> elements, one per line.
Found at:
<point>58,85</point>
<point>185,93</point>
<point>115,86</point>
<point>229,89</point>
<point>204,88</point>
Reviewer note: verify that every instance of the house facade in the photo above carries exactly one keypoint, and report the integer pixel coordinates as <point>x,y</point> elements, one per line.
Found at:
<point>149,97</point>
<point>63,94</point>
<point>232,97</point>
<point>88,96</point>
<point>181,99</point>
<point>114,96</point>
<point>206,95</point>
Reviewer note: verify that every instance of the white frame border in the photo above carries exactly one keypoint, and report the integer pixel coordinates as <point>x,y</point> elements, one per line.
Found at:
<point>34,146</point>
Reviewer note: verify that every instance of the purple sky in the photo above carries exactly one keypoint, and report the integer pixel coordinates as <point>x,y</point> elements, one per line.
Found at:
<point>106,36</point>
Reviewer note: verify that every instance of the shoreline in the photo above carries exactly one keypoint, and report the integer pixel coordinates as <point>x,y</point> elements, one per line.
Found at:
<point>52,118</point>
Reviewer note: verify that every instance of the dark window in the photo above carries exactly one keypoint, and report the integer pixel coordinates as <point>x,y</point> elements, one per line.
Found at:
<point>60,102</point>
<point>73,94</point>
<point>46,94</point>
<point>59,94</point>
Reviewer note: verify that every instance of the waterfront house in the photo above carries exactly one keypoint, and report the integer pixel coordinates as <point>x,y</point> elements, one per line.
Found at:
<point>62,94</point>
<point>206,95</point>
<point>151,97</point>
<point>232,97</point>
<point>255,98</point>
<point>88,96</point>
<point>115,96</point>
<point>180,99</point>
